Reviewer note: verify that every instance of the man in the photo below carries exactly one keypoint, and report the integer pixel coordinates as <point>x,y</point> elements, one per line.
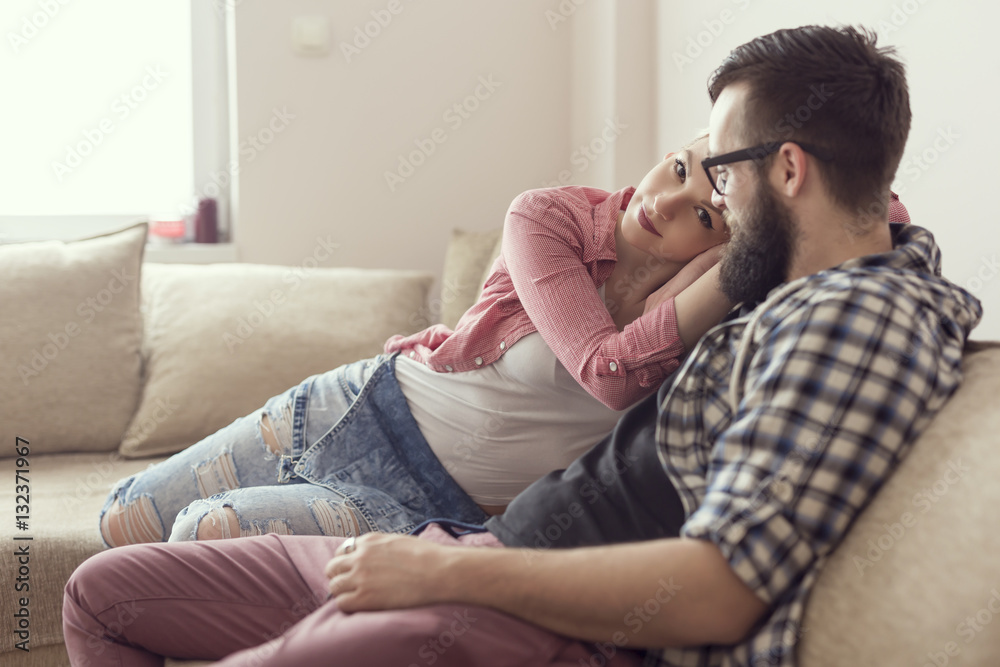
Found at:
<point>704,545</point>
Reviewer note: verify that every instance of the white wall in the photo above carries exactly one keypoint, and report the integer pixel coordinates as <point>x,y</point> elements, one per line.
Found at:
<point>562,80</point>
<point>576,102</point>
<point>953,70</point>
<point>324,174</point>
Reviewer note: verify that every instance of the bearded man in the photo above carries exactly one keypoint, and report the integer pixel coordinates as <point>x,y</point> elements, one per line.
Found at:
<point>693,534</point>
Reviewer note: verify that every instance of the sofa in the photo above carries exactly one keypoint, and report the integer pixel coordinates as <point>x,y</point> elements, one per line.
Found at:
<point>109,364</point>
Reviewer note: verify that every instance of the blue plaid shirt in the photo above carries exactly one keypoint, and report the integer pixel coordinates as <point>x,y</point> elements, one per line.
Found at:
<point>785,422</point>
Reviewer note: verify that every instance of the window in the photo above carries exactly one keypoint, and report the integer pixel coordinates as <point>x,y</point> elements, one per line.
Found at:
<point>106,119</point>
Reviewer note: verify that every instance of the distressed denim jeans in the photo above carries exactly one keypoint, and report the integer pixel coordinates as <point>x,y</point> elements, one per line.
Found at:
<point>352,460</point>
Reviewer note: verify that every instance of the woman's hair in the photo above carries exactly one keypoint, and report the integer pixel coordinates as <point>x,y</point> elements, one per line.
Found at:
<point>702,134</point>
<point>830,87</point>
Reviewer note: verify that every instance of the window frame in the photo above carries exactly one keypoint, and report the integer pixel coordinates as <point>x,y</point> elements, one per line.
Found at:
<point>213,70</point>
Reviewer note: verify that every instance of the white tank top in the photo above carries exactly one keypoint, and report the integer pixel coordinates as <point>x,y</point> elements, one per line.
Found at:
<point>498,428</point>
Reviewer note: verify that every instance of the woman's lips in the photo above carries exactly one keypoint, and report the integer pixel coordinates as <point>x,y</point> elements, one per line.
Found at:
<point>645,223</point>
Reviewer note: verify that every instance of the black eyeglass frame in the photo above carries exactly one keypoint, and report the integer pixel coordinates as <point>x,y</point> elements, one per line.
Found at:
<point>758,153</point>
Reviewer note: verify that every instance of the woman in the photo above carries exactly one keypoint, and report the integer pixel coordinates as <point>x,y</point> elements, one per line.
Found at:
<point>592,302</point>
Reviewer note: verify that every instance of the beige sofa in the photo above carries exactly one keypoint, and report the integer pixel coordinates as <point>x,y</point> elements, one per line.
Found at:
<point>182,350</point>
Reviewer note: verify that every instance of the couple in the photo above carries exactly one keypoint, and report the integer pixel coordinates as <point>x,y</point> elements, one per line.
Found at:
<point>693,533</point>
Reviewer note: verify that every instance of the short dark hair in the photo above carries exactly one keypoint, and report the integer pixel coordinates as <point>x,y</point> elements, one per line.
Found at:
<point>831,87</point>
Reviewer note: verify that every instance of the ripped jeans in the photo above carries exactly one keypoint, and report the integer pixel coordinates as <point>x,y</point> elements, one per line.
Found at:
<point>350,460</point>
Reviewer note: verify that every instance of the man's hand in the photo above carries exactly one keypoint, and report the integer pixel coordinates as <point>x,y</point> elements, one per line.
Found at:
<point>387,572</point>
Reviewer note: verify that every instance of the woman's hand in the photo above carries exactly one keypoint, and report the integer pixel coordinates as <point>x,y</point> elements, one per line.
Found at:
<point>388,572</point>
<point>693,270</point>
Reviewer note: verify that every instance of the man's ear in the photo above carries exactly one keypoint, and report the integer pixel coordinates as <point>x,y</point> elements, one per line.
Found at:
<point>790,168</point>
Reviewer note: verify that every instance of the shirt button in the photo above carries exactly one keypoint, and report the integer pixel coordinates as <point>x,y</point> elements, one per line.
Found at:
<point>613,366</point>
<point>412,354</point>
<point>503,345</point>
<point>479,361</point>
<point>448,368</point>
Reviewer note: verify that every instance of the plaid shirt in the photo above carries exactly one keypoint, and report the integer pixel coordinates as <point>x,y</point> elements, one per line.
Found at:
<point>558,248</point>
<point>785,421</point>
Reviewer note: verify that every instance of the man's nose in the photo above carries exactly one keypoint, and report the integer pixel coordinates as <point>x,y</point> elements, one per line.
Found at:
<point>718,201</point>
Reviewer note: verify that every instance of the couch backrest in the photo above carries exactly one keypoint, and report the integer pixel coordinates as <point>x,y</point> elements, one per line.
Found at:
<point>467,264</point>
<point>917,581</point>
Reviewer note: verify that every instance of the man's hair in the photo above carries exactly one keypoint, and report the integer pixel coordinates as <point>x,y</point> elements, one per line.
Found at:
<point>830,87</point>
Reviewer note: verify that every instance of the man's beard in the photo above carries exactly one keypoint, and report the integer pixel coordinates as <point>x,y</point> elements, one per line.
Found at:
<point>757,258</point>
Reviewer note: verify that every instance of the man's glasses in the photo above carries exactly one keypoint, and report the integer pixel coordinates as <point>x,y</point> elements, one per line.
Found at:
<point>718,177</point>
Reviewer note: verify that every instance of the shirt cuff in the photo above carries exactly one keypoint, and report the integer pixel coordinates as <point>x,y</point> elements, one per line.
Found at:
<point>764,549</point>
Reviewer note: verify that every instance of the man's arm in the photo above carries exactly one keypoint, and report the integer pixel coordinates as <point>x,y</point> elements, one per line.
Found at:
<point>662,593</point>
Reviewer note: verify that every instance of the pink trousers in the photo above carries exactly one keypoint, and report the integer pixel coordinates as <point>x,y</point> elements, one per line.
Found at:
<point>259,601</point>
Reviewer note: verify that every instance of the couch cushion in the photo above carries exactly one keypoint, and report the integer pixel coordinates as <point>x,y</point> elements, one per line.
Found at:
<point>916,581</point>
<point>67,493</point>
<point>70,365</point>
<point>466,267</point>
<point>222,339</point>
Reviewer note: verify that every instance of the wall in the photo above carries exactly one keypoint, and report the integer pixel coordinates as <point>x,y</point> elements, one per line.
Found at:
<point>568,71</point>
<point>323,176</point>
<point>575,103</point>
<point>948,168</point>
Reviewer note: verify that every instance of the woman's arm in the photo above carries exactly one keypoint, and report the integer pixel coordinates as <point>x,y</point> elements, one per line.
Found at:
<point>545,235</point>
<point>670,592</point>
<point>698,300</point>
<point>700,307</point>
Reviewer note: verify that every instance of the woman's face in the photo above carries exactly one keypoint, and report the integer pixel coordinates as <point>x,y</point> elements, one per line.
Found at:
<point>671,215</point>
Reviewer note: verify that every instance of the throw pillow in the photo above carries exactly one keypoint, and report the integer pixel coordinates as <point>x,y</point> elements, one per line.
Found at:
<point>70,338</point>
<point>222,339</point>
<point>466,267</point>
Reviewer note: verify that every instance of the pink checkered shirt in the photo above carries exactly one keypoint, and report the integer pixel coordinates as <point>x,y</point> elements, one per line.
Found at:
<point>558,249</point>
